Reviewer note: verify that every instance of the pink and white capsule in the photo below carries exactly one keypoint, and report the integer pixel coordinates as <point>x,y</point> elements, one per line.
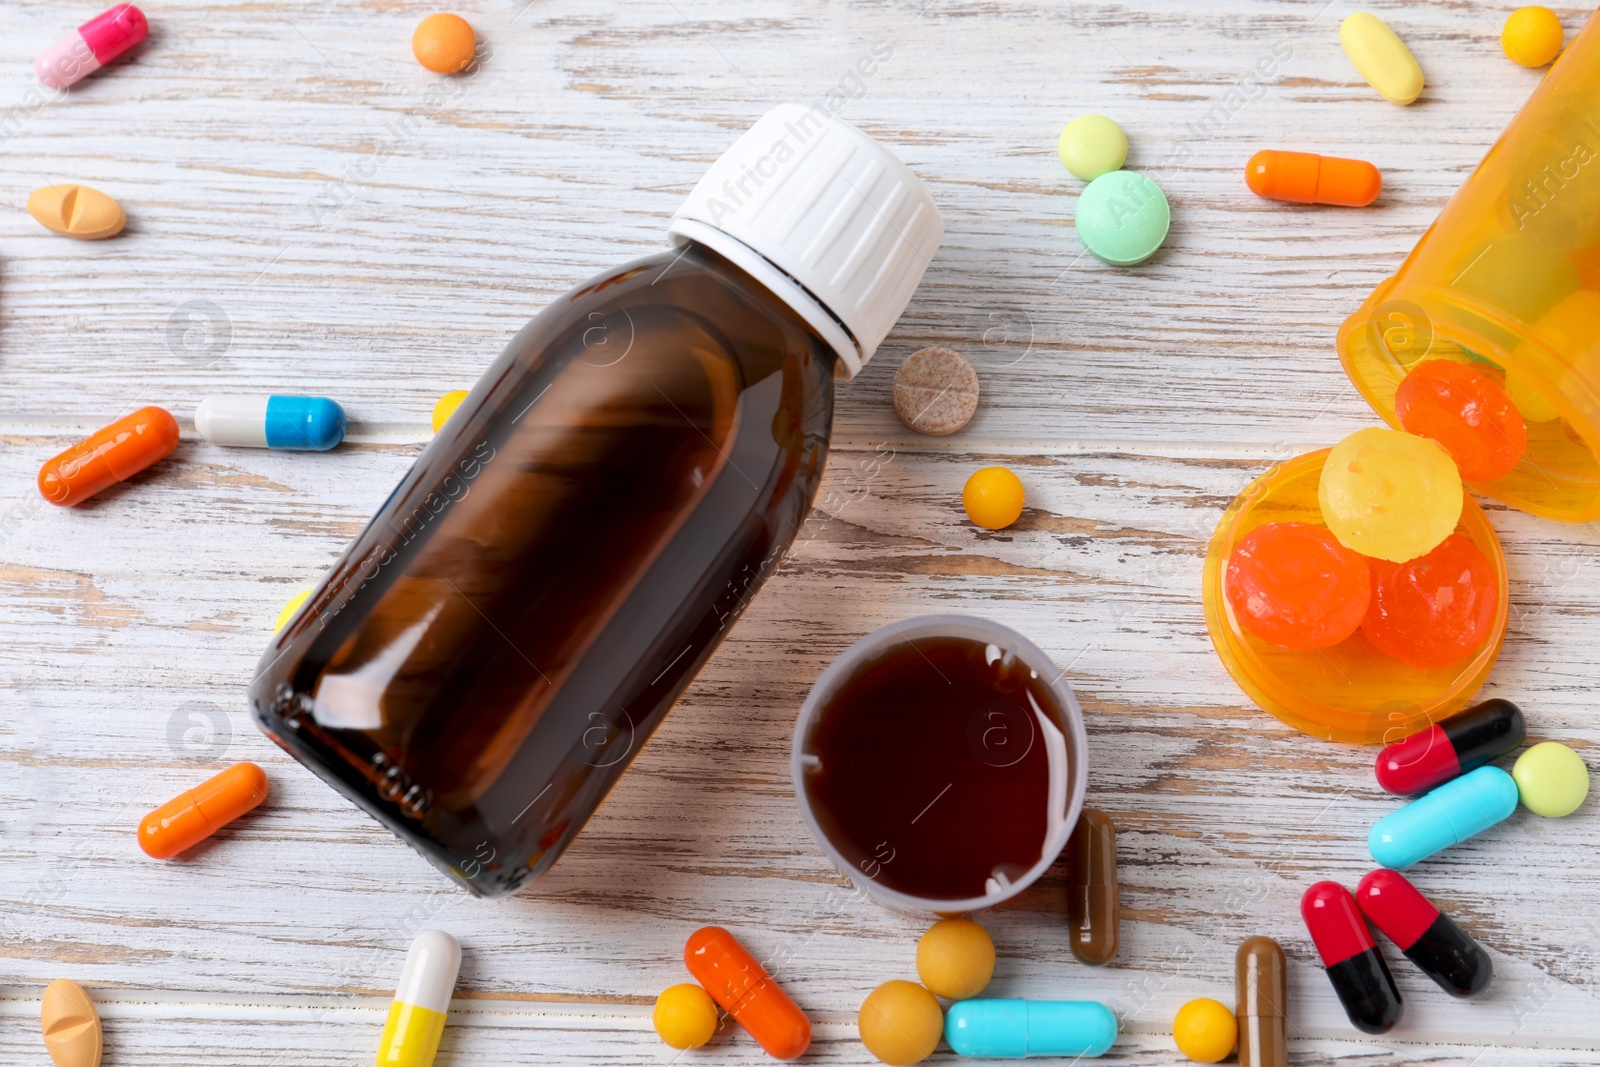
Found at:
<point>91,46</point>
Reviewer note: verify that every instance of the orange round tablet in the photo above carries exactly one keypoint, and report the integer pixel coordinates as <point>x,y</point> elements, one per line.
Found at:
<point>445,44</point>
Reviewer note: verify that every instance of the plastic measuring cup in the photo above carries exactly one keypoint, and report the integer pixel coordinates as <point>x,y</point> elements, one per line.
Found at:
<point>1064,742</point>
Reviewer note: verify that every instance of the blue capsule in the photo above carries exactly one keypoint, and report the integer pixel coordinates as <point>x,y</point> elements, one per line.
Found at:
<point>1447,816</point>
<point>295,423</point>
<point>1011,1029</point>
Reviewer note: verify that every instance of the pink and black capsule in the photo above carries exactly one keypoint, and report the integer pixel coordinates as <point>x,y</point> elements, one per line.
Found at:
<point>1351,957</point>
<point>1451,748</point>
<point>1429,938</point>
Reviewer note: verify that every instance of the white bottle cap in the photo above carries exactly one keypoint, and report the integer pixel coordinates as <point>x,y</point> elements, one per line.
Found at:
<point>851,226</point>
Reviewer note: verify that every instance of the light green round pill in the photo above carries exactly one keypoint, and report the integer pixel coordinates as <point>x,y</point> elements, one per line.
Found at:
<point>1551,779</point>
<point>1123,217</point>
<point>1092,145</point>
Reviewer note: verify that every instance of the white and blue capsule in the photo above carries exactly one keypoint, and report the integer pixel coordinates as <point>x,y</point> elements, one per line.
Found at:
<point>296,423</point>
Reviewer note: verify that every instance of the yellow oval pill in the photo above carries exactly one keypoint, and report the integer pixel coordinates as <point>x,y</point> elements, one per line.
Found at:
<point>1381,57</point>
<point>70,1024</point>
<point>77,211</point>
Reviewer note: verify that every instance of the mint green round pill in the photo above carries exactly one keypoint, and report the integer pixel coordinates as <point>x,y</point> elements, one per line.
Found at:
<point>1551,779</point>
<point>1092,145</point>
<point>1123,217</point>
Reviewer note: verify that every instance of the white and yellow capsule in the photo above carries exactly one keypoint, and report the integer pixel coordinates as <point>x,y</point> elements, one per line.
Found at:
<point>416,1017</point>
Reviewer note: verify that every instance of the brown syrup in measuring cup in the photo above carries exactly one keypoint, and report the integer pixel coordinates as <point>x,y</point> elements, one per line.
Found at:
<point>928,767</point>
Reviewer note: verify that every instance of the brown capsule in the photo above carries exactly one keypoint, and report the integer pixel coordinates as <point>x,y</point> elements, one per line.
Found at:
<point>1261,978</point>
<point>1093,914</point>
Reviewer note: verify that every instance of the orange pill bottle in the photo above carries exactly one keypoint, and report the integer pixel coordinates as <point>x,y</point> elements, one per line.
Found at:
<point>1507,279</point>
<point>1507,282</point>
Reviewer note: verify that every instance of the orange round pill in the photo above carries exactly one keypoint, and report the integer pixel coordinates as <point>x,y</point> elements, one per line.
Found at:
<point>110,455</point>
<point>444,43</point>
<point>191,817</point>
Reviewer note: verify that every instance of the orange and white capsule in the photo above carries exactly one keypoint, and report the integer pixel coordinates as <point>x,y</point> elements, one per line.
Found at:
<point>110,455</point>
<point>191,817</point>
<point>1307,178</point>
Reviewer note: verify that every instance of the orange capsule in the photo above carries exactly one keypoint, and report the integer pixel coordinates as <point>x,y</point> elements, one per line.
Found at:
<point>110,455</point>
<point>1307,178</point>
<point>190,818</point>
<point>737,981</point>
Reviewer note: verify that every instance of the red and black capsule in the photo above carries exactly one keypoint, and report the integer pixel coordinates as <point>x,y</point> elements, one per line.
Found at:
<point>1451,748</point>
<point>1351,957</point>
<point>1429,938</point>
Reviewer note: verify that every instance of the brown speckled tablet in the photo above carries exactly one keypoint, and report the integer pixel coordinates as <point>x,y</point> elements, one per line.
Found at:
<point>935,391</point>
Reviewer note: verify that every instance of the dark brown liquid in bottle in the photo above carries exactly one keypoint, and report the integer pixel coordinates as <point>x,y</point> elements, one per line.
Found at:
<point>932,773</point>
<point>487,658</point>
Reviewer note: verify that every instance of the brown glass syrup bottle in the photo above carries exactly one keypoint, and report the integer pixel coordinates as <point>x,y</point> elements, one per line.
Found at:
<point>485,660</point>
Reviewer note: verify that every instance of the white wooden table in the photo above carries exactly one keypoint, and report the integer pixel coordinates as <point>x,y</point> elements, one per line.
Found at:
<point>310,211</point>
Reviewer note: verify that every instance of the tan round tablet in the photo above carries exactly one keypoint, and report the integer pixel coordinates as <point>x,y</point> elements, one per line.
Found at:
<point>935,391</point>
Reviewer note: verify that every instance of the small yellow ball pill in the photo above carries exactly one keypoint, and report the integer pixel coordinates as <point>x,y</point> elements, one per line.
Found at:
<point>955,958</point>
<point>1389,494</point>
<point>1551,779</point>
<point>1532,36</point>
<point>993,498</point>
<point>685,1016</point>
<point>290,608</point>
<point>900,1023</point>
<point>445,44</point>
<point>1092,145</point>
<point>1205,1030</point>
<point>446,407</point>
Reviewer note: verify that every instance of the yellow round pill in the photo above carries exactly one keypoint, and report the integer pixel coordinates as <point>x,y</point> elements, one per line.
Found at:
<point>446,407</point>
<point>993,498</point>
<point>1389,494</point>
<point>900,1023</point>
<point>1205,1030</point>
<point>445,44</point>
<point>1092,145</point>
<point>290,608</point>
<point>1532,36</point>
<point>955,958</point>
<point>1551,779</point>
<point>685,1016</point>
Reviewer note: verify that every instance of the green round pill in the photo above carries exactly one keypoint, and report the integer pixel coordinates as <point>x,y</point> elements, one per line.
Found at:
<point>1092,145</point>
<point>1123,217</point>
<point>1551,779</point>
